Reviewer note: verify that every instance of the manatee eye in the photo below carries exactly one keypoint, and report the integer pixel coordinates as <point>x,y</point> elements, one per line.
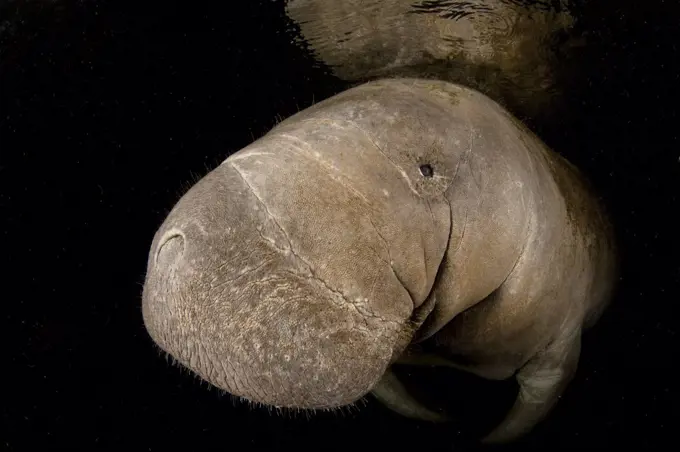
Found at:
<point>426,170</point>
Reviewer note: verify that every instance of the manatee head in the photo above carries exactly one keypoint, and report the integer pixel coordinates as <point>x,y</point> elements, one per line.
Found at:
<point>295,273</point>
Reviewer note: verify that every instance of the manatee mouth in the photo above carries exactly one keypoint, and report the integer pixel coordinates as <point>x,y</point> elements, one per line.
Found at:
<point>264,330</point>
<point>312,351</point>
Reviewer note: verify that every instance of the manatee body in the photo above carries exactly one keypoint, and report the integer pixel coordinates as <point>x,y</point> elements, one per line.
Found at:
<point>399,214</point>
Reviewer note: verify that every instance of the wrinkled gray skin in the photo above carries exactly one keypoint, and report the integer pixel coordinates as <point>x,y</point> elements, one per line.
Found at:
<point>296,272</point>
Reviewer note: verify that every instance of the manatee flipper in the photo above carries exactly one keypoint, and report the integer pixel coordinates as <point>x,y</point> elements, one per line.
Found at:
<point>542,380</point>
<point>392,393</point>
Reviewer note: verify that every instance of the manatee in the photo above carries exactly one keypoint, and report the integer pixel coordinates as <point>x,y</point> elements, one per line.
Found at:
<point>518,52</point>
<point>403,220</point>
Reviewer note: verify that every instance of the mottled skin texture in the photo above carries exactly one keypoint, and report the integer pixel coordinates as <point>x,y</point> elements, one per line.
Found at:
<point>397,214</point>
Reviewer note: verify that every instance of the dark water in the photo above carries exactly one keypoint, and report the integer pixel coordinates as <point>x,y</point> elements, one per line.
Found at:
<point>111,109</point>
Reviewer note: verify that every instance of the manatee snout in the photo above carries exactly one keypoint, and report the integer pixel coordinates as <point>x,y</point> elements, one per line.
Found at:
<point>231,297</point>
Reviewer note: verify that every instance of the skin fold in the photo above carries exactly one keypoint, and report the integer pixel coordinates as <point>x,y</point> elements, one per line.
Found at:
<point>399,216</point>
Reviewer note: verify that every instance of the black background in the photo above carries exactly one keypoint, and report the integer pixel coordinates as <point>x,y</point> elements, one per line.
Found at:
<point>111,109</point>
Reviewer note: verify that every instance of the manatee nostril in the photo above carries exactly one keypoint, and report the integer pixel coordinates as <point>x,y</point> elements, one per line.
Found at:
<point>170,248</point>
